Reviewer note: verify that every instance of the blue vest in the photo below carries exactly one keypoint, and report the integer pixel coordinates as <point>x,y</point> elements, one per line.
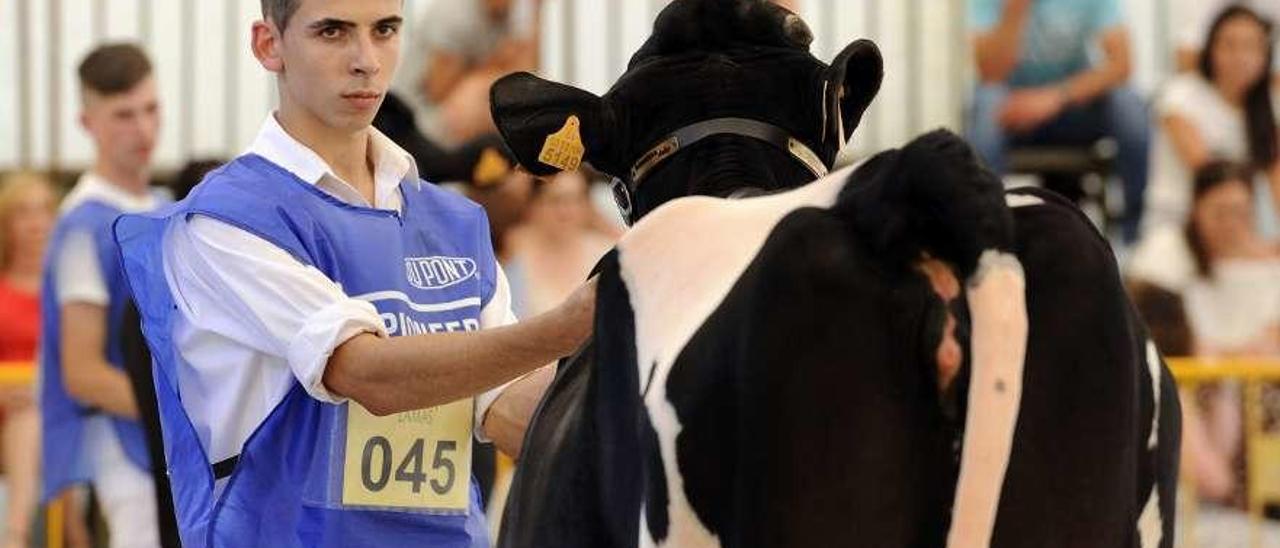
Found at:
<point>303,478</point>
<point>64,460</point>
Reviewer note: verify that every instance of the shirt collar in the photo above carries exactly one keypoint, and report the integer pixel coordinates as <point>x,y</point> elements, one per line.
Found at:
<point>91,186</point>
<point>392,164</point>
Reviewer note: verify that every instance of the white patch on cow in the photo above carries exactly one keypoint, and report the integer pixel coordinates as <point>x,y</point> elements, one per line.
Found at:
<point>997,304</point>
<point>1022,200</point>
<point>1153,367</point>
<point>1150,523</point>
<point>679,263</point>
<point>684,529</point>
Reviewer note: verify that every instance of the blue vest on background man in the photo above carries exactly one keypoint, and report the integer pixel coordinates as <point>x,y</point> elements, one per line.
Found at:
<point>315,474</point>
<point>64,460</point>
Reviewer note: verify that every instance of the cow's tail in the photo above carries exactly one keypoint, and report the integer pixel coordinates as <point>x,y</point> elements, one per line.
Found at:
<point>933,200</point>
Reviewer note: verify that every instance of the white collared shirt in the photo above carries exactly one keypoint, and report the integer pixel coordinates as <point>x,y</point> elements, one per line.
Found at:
<point>78,276</point>
<point>253,318</point>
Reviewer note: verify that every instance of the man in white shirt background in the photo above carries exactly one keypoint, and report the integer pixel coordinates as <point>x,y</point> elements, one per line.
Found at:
<point>88,407</point>
<point>260,328</point>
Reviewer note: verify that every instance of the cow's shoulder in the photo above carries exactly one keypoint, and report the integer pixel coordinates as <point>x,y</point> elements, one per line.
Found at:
<point>680,262</point>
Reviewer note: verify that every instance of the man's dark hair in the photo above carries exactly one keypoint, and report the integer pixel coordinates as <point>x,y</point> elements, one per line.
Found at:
<point>279,11</point>
<point>113,69</point>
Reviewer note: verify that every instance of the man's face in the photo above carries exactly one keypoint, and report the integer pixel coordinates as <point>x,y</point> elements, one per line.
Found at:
<point>337,59</point>
<point>124,126</point>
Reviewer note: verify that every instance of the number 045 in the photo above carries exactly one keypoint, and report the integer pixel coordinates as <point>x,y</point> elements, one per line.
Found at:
<point>375,478</point>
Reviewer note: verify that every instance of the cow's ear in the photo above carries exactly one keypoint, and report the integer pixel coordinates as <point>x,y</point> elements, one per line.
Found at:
<point>851,82</point>
<point>551,127</point>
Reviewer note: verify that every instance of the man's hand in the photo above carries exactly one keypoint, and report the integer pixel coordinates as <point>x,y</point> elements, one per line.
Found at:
<point>509,417</point>
<point>578,312</point>
<point>1027,109</point>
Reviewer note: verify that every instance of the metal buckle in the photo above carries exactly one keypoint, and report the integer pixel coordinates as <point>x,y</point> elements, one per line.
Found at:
<point>623,199</point>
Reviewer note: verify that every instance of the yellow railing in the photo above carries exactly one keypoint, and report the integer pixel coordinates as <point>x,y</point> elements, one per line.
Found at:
<point>1262,450</point>
<point>17,373</point>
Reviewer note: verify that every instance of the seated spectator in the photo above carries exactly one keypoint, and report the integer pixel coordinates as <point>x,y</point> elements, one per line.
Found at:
<point>27,206</point>
<point>461,48</point>
<point>557,245</point>
<point>1039,86</point>
<point>1233,307</point>
<point>1234,302</point>
<point>1224,110</point>
<point>1193,18</point>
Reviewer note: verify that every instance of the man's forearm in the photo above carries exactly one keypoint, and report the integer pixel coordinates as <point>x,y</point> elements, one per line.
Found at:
<point>1114,71</point>
<point>1087,86</point>
<point>996,51</point>
<point>509,417</point>
<point>404,373</point>
<point>106,388</point>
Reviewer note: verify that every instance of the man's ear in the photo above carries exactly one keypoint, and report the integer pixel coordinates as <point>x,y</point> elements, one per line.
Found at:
<point>264,40</point>
<point>552,127</point>
<point>851,82</point>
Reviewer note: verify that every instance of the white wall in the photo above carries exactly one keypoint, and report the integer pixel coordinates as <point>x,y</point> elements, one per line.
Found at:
<point>215,95</point>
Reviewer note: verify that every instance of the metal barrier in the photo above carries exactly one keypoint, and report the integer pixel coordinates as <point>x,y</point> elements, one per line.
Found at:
<point>1262,450</point>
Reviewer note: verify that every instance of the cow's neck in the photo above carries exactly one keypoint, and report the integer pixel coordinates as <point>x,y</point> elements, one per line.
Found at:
<point>727,167</point>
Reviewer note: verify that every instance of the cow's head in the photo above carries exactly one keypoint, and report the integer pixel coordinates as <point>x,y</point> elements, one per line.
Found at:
<point>724,96</point>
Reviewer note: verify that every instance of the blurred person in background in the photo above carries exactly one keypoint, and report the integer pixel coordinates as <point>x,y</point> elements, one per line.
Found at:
<point>461,48</point>
<point>1233,308</point>
<point>87,402</point>
<point>1225,109</point>
<point>1234,302</point>
<point>553,250</point>
<point>1203,462</point>
<point>1194,18</point>
<point>27,209</point>
<point>1039,86</point>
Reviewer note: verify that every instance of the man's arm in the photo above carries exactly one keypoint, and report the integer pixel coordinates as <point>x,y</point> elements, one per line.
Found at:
<point>996,50</point>
<point>396,374</point>
<point>1110,74</point>
<point>1026,109</point>
<point>509,417</point>
<point>87,375</point>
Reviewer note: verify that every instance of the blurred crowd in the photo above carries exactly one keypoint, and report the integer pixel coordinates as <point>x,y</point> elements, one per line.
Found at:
<point>1197,162</point>
<point>1199,172</point>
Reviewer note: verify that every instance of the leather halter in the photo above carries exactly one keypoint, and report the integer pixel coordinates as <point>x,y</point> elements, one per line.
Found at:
<point>688,135</point>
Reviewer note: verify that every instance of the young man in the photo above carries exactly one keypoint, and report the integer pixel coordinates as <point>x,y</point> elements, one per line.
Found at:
<point>334,326</point>
<point>87,404</point>
<point>1040,86</point>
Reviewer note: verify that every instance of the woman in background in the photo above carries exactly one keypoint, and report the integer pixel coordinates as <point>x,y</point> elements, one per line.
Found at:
<point>557,245</point>
<point>1226,110</point>
<point>27,209</point>
<point>1233,308</point>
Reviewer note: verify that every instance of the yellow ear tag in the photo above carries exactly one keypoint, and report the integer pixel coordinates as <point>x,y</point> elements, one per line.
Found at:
<point>563,149</point>
<point>490,168</point>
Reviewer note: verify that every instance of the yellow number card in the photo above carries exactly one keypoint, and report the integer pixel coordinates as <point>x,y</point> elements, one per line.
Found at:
<point>417,460</point>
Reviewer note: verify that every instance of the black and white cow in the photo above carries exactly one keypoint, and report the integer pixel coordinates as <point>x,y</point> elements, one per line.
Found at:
<point>900,354</point>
